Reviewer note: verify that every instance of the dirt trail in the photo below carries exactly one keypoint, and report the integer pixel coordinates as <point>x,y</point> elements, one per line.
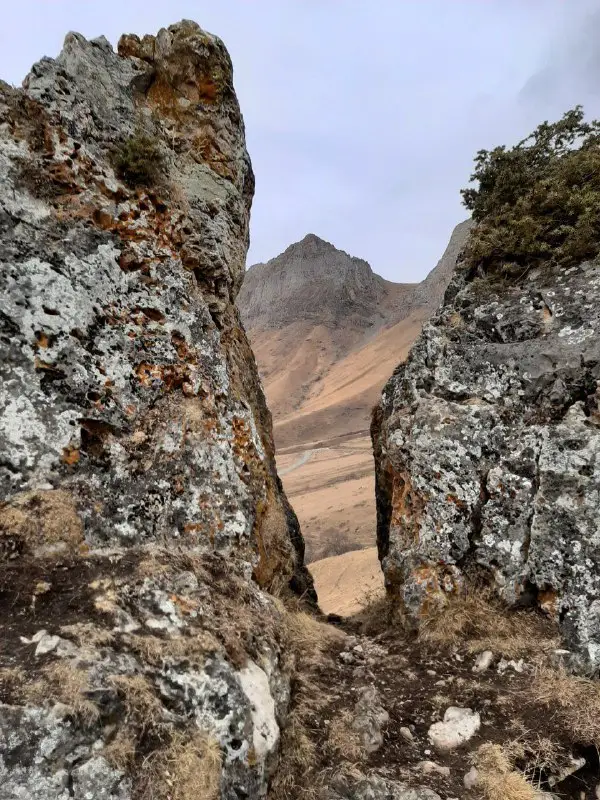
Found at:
<point>304,459</point>
<point>414,683</point>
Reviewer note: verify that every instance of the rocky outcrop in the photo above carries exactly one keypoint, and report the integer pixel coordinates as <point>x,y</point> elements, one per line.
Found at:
<point>486,447</point>
<point>141,515</point>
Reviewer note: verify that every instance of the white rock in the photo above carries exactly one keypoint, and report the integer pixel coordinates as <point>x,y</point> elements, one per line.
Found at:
<point>255,684</point>
<point>471,779</point>
<point>46,644</point>
<point>37,636</point>
<point>429,767</point>
<point>459,725</point>
<point>483,661</point>
<point>407,734</point>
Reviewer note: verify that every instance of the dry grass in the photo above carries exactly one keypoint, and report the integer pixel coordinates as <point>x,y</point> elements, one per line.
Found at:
<point>378,614</point>
<point>343,740</point>
<point>88,634</point>
<point>188,769</point>
<point>298,756</point>
<point>120,751</point>
<point>574,703</point>
<point>309,639</point>
<point>482,622</point>
<point>143,708</point>
<point>497,778</point>
<point>66,684</point>
<point>155,650</point>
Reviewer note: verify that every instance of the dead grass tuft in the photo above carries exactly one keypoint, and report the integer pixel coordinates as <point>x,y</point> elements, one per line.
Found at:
<point>480,620</point>
<point>88,634</point>
<point>66,684</point>
<point>40,523</point>
<point>343,740</point>
<point>310,639</point>
<point>188,769</point>
<point>120,751</point>
<point>497,778</point>
<point>573,701</point>
<point>143,708</point>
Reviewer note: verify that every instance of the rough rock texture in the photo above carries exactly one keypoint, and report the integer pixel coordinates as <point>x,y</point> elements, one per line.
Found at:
<point>140,511</point>
<point>358,787</point>
<point>312,280</point>
<point>486,446</point>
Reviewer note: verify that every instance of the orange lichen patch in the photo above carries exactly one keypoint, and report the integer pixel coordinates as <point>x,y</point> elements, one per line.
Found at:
<point>40,522</point>
<point>407,507</point>
<point>185,604</point>
<point>548,602</point>
<point>436,585</point>
<point>171,376</point>
<point>452,498</point>
<point>207,150</point>
<point>70,455</point>
<point>42,340</point>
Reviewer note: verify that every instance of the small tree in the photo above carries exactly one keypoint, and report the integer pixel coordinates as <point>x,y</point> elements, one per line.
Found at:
<point>538,202</point>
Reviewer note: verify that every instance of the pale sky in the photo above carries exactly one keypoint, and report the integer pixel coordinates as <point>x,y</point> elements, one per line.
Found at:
<point>362,118</point>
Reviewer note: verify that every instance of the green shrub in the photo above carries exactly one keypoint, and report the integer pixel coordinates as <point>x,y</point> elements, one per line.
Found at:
<point>539,202</point>
<point>139,161</point>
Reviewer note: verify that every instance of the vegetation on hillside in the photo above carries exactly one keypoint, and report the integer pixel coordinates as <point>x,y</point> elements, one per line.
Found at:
<point>139,160</point>
<point>537,202</point>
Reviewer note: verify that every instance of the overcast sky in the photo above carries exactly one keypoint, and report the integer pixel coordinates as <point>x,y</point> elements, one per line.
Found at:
<point>362,117</point>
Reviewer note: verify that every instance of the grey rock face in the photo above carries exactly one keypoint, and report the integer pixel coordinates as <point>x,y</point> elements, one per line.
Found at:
<point>140,509</point>
<point>359,787</point>
<point>312,279</point>
<point>486,444</point>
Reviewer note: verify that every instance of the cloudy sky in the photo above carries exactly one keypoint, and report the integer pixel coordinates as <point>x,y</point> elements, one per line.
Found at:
<point>362,117</point>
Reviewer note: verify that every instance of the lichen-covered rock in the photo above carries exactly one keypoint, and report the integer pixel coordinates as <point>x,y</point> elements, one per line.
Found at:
<point>141,516</point>
<point>486,446</point>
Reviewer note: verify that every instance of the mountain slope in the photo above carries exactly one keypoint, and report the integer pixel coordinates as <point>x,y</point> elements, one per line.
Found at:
<point>327,332</point>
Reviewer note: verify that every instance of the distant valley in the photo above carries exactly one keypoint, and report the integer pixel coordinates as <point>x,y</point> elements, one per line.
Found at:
<point>327,332</point>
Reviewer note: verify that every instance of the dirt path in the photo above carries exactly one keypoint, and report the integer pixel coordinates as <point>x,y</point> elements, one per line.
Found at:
<point>365,710</point>
<point>304,459</point>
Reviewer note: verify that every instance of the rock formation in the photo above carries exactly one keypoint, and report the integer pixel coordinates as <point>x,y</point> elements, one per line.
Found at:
<point>486,446</point>
<point>140,512</point>
<point>313,280</point>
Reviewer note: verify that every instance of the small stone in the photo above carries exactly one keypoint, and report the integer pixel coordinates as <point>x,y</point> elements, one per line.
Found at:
<point>471,779</point>
<point>483,661</point>
<point>430,767</point>
<point>358,648</point>
<point>347,658</point>
<point>431,672</point>
<point>37,636</point>
<point>459,725</point>
<point>46,644</point>
<point>407,734</point>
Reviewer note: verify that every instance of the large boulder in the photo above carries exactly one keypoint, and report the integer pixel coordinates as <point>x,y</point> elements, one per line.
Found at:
<point>486,447</point>
<point>141,516</point>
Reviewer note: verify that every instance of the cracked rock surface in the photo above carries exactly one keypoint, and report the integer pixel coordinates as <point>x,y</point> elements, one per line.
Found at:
<point>486,447</point>
<point>141,516</point>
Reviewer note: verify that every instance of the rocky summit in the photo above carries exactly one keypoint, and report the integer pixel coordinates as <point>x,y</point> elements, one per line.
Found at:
<point>486,445</point>
<point>141,511</point>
